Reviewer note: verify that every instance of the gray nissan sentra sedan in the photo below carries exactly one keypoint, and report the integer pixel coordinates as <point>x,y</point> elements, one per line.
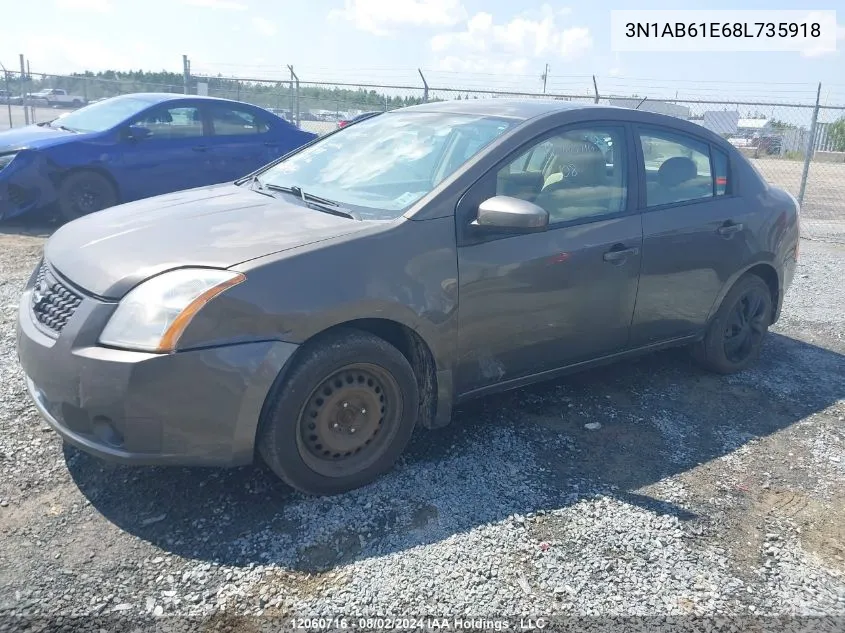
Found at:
<point>317,310</point>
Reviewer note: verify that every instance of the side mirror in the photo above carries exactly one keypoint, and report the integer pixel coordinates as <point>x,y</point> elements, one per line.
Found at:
<point>504,212</point>
<point>137,133</point>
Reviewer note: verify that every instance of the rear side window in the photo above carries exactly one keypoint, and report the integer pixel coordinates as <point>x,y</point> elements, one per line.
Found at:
<point>677,168</point>
<point>720,166</point>
<point>228,121</point>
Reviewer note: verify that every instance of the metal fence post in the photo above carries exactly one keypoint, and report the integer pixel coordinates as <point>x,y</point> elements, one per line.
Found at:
<point>596,88</point>
<point>298,117</point>
<point>294,97</point>
<point>23,91</point>
<point>811,145</point>
<point>41,86</point>
<point>8,95</point>
<point>425,85</point>
<point>186,74</point>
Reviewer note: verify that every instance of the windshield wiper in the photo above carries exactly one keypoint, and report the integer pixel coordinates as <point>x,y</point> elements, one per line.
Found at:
<point>297,191</point>
<point>257,186</point>
<point>316,202</point>
<point>65,128</point>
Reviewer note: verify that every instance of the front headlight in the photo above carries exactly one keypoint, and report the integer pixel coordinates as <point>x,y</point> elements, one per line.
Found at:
<point>153,315</point>
<point>5,159</point>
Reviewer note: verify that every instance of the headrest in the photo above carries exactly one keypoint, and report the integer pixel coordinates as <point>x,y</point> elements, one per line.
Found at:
<point>676,170</point>
<point>581,163</point>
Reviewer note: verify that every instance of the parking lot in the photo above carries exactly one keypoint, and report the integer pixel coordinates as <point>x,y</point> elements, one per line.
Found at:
<point>697,494</point>
<point>644,488</point>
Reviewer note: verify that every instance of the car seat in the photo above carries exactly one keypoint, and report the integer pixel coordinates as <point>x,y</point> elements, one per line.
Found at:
<point>678,180</point>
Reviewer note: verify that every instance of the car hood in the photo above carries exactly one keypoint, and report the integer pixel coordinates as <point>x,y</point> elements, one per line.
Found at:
<point>109,252</point>
<point>35,137</point>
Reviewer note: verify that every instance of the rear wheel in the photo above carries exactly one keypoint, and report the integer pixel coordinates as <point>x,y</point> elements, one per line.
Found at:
<point>85,192</point>
<point>343,415</point>
<point>736,332</point>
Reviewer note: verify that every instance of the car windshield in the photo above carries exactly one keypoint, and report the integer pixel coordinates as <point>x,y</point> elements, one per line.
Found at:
<point>101,116</point>
<point>382,165</point>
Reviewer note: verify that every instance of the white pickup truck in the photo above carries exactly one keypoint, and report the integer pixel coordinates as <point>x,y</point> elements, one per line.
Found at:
<point>55,97</point>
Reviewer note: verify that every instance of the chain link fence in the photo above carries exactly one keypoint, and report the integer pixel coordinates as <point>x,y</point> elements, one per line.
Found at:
<point>799,147</point>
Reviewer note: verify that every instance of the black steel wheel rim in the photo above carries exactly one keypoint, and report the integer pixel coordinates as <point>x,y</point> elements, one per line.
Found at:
<point>745,326</point>
<point>349,420</point>
<point>86,199</point>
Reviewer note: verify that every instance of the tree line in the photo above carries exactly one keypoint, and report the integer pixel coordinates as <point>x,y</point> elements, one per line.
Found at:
<point>269,94</point>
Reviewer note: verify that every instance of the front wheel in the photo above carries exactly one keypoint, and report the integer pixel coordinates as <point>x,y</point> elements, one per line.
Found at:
<point>343,415</point>
<point>85,192</point>
<point>735,335</point>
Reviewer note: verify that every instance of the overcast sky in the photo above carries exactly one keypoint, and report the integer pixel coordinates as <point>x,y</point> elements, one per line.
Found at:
<point>459,43</point>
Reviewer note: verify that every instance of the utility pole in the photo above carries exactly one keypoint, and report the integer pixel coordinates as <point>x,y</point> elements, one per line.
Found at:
<point>545,77</point>
<point>186,74</point>
<point>23,90</point>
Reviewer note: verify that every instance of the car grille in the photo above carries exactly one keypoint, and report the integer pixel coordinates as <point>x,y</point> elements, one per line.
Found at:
<point>53,303</point>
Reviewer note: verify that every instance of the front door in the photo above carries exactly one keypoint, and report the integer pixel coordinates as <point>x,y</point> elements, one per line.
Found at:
<point>176,155</point>
<point>696,234</point>
<point>535,302</point>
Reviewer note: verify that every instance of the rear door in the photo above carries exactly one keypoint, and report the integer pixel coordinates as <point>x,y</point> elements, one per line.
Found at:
<point>242,140</point>
<point>695,233</point>
<point>176,155</point>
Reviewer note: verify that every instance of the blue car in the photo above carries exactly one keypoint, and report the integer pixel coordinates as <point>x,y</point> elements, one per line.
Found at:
<point>136,146</point>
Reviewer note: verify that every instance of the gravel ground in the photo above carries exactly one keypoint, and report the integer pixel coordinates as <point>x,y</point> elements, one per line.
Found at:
<point>648,488</point>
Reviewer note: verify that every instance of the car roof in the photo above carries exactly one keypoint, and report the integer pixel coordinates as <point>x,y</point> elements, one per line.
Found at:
<point>523,109</point>
<point>161,97</point>
<point>516,108</point>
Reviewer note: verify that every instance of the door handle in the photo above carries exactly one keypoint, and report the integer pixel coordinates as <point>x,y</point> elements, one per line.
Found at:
<point>729,228</point>
<point>620,254</point>
<point>200,148</point>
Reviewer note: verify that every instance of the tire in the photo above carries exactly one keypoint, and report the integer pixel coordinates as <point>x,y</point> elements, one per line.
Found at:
<point>347,383</point>
<point>85,192</point>
<point>735,335</point>
<point>76,103</point>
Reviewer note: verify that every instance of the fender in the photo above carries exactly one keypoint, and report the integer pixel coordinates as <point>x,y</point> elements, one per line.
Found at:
<point>766,259</point>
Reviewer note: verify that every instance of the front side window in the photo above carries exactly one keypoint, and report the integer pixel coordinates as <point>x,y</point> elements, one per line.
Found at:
<point>175,122</point>
<point>382,165</point>
<point>579,174</point>
<point>228,121</point>
<point>677,168</point>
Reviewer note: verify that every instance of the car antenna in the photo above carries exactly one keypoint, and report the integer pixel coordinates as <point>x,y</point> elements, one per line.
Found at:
<point>640,103</point>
